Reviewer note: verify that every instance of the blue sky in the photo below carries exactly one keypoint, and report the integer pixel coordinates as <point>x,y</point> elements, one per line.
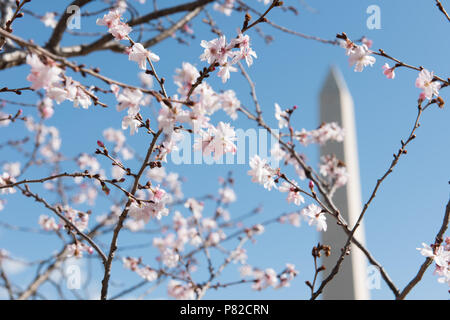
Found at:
<point>408,209</point>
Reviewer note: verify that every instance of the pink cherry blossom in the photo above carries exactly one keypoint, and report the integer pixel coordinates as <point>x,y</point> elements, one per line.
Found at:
<point>294,194</point>
<point>262,173</point>
<point>388,71</point>
<point>216,50</point>
<point>360,57</point>
<point>281,116</point>
<point>110,19</point>
<point>229,103</point>
<point>48,223</point>
<point>132,123</point>
<point>226,8</point>
<point>49,20</point>
<point>130,99</point>
<point>6,179</point>
<point>224,71</point>
<point>227,195</point>
<point>314,215</point>
<point>116,27</point>
<point>180,291</point>
<point>147,273</point>
<point>42,75</point>
<point>170,258</point>
<point>217,140</point>
<point>185,77</point>
<point>77,249</point>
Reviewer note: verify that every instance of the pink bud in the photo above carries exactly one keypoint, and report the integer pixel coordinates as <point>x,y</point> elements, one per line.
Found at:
<point>422,96</point>
<point>311,184</point>
<point>100,144</point>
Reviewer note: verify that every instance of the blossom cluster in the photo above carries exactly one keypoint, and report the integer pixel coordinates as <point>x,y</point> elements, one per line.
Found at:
<point>221,52</point>
<point>262,279</point>
<point>58,87</point>
<point>360,56</point>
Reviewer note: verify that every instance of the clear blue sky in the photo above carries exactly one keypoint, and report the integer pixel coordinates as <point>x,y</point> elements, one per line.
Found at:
<point>410,205</point>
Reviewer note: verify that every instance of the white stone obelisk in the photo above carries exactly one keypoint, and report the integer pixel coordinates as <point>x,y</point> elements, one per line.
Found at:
<point>336,105</point>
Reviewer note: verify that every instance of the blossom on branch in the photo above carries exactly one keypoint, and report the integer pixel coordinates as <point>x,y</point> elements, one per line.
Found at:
<point>425,81</point>
<point>140,55</point>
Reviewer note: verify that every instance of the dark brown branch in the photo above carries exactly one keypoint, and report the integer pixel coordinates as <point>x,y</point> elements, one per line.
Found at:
<point>442,9</point>
<point>123,216</point>
<point>60,28</point>
<point>26,191</point>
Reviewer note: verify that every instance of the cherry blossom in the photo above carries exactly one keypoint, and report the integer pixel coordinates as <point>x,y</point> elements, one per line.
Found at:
<point>216,50</point>
<point>361,58</point>
<point>86,161</point>
<point>230,104</point>
<point>217,140</point>
<point>246,52</point>
<point>140,55</point>
<point>147,273</point>
<point>116,27</point>
<point>425,82</point>
<point>48,223</point>
<point>77,249</point>
<point>110,19</point>
<point>195,206</point>
<point>388,71</point>
<point>281,116</point>
<point>294,194</point>
<point>226,8</point>
<point>323,134</point>
<point>49,20</point>
<point>227,195</point>
<point>180,291</point>
<point>6,179</point>
<point>185,77</point>
<point>170,258</point>
<point>132,123</point>
<point>262,173</point>
<point>315,216</point>
<point>130,99</point>
<point>154,209</point>
<point>42,75</point>
<point>45,108</point>
<point>146,79</point>
<point>264,279</point>
<point>78,219</point>
<point>292,218</point>
<point>334,170</point>
<point>224,71</point>
<point>441,257</point>
<point>12,168</point>
<point>277,152</point>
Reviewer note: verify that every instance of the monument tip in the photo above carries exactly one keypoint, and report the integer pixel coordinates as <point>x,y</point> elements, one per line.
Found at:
<point>334,82</point>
